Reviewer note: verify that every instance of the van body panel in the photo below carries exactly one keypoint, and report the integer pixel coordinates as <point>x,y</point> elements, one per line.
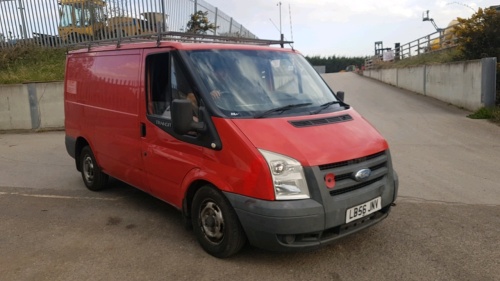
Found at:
<point>315,145</point>
<point>238,164</point>
<point>167,162</point>
<point>102,106</point>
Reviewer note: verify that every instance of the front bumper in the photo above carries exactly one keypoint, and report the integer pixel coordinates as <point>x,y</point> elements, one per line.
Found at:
<point>293,225</point>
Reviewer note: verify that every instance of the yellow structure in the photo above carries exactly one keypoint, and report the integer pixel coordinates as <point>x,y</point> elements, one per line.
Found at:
<point>448,37</point>
<point>82,20</point>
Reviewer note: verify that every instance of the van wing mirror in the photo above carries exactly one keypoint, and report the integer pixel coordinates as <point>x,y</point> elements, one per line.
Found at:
<point>182,117</point>
<point>340,95</point>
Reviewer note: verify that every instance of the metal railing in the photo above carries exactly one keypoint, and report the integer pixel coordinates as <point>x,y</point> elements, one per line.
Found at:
<point>438,41</point>
<point>55,23</point>
<point>441,40</point>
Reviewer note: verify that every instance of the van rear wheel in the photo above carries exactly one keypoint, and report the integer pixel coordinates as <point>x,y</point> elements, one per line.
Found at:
<point>92,175</point>
<point>216,224</point>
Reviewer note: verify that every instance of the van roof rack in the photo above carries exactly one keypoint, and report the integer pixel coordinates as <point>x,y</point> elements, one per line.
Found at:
<point>205,38</point>
<point>184,37</point>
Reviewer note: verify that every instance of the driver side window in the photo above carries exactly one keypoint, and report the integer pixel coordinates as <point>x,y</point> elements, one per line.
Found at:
<point>163,85</point>
<point>157,78</point>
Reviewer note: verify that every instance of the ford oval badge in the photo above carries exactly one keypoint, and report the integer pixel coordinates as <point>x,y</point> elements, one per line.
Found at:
<point>362,174</point>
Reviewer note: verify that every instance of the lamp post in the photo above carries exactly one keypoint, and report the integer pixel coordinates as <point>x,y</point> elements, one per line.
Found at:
<point>281,32</point>
<point>23,20</point>
<point>279,4</point>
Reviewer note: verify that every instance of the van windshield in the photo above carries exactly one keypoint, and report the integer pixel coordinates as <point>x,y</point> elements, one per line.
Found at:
<point>257,83</point>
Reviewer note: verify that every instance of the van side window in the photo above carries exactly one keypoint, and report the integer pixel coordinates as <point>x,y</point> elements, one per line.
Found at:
<point>181,88</point>
<point>163,86</point>
<point>157,78</point>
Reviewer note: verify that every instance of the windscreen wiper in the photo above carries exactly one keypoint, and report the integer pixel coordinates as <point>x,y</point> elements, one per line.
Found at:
<point>324,106</point>
<point>281,109</point>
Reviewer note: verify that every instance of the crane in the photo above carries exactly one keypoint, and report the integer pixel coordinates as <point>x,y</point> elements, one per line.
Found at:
<point>425,17</point>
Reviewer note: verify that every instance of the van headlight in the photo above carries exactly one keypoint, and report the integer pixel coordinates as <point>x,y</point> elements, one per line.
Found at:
<point>288,176</point>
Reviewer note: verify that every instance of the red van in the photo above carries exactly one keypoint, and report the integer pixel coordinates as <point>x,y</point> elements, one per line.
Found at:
<point>247,141</point>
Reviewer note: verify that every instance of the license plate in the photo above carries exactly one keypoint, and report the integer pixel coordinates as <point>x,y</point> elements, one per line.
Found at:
<point>363,210</point>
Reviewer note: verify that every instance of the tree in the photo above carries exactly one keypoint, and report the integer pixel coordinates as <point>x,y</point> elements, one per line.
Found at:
<point>334,63</point>
<point>199,23</point>
<point>479,36</point>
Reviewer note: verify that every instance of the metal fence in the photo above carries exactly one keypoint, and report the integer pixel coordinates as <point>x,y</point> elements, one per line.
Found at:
<point>441,40</point>
<point>67,22</point>
<point>438,41</point>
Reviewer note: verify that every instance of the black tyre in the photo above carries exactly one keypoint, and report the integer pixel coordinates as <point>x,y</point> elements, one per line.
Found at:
<point>216,224</point>
<point>92,175</point>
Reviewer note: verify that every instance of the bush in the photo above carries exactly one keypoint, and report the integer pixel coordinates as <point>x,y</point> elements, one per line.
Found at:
<point>479,36</point>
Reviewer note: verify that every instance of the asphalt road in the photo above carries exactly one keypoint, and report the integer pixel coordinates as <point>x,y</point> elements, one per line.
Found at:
<point>446,225</point>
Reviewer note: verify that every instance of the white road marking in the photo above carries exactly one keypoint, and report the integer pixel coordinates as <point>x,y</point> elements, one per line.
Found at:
<point>59,196</point>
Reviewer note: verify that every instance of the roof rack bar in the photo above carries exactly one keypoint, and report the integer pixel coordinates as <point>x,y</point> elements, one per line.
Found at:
<point>225,38</point>
<point>184,37</point>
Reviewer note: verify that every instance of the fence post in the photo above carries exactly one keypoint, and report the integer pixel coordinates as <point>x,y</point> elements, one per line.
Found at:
<point>164,17</point>
<point>21,9</point>
<point>215,23</point>
<point>488,81</point>
<point>230,25</point>
<point>418,46</point>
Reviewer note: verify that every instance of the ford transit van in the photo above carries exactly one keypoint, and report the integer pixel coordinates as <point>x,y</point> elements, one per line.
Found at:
<point>247,141</point>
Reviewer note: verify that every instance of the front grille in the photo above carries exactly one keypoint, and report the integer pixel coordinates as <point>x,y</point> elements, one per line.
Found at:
<point>354,187</point>
<point>350,162</point>
<point>344,172</point>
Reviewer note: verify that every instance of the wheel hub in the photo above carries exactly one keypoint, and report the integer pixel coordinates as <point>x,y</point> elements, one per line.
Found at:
<point>212,222</point>
<point>88,169</point>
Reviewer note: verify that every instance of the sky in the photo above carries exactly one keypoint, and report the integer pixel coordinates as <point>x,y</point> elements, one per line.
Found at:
<point>346,28</point>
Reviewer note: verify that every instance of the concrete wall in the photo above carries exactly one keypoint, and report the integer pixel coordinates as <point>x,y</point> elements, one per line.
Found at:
<point>51,104</point>
<point>14,108</point>
<point>412,78</point>
<point>469,84</point>
<point>34,106</point>
<point>389,76</point>
<point>457,83</point>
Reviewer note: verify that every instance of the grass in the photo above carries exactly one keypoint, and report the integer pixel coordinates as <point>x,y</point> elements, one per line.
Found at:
<point>23,64</point>
<point>493,114</point>
<point>436,57</point>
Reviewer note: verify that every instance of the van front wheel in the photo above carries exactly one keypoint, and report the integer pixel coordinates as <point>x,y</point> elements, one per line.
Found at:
<point>92,175</point>
<point>216,224</point>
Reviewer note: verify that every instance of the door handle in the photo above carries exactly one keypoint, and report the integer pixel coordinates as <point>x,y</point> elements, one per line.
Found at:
<point>143,130</point>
